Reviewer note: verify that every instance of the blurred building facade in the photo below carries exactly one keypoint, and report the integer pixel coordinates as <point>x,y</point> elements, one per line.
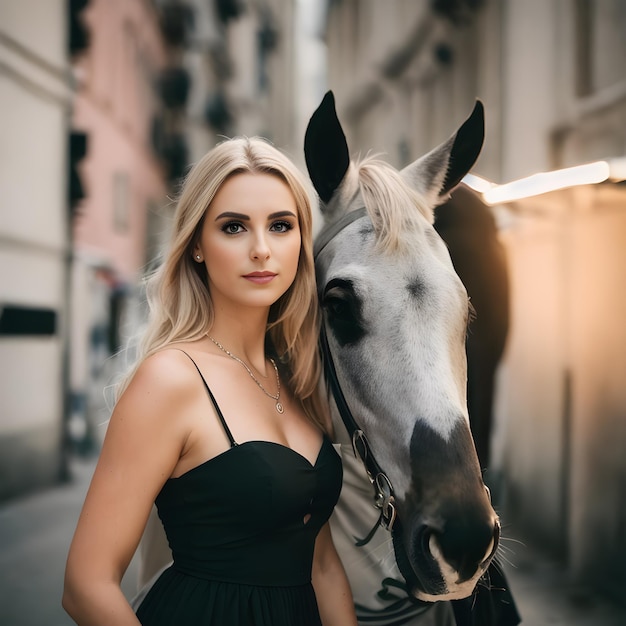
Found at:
<point>257,82</point>
<point>553,83</point>
<point>37,146</point>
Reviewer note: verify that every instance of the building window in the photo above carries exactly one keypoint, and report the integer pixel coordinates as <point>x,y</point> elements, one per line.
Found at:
<point>601,44</point>
<point>121,202</point>
<point>154,234</point>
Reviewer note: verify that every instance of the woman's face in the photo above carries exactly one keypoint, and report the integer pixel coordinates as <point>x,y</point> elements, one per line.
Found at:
<point>250,241</point>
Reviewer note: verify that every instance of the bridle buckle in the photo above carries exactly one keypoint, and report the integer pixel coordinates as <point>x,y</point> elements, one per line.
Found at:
<point>384,499</point>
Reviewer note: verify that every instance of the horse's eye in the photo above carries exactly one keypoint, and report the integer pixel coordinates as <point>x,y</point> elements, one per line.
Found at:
<point>343,312</point>
<point>340,302</point>
<point>337,307</point>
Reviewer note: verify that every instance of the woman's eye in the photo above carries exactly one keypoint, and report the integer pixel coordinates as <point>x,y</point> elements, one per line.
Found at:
<point>281,227</point>
<point>232,228</point>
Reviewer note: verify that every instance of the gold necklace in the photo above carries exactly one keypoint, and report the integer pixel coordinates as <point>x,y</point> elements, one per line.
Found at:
<point>276,398</point>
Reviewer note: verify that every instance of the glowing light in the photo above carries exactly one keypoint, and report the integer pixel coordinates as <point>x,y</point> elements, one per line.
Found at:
<point>588,174</point>
<point>613,170</point>
<point>618,169</point>
<point>477,183</point>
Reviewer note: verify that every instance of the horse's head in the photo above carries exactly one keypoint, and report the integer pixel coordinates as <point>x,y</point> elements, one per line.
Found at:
<point>396,315</point>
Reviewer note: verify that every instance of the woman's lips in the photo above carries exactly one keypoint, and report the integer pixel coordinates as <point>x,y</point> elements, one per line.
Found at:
<point>260,278</point>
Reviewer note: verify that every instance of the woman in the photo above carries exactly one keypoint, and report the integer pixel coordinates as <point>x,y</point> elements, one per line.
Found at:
<point>222,423</point>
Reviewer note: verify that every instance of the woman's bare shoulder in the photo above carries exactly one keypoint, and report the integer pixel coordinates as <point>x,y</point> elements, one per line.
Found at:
<point>167,376</point>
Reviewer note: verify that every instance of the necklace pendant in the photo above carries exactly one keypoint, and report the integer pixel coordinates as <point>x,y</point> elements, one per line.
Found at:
<point>280,408</point>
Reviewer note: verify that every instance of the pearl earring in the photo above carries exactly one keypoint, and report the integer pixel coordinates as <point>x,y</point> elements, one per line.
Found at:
<point>198,257</point>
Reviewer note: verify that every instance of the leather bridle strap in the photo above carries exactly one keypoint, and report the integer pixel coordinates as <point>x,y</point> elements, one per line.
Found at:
<point>384,498</point>
<point>329,233</point>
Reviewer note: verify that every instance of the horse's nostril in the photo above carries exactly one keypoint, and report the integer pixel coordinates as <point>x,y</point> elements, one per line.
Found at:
<point>464,544</point>
<point>424,560</point>
<point>496,541</point>
<point>424,539</point>
<point>421,541</point>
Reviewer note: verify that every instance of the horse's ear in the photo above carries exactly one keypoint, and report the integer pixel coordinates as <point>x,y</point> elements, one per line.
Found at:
<point>438,172</point>
<point>326,149</point>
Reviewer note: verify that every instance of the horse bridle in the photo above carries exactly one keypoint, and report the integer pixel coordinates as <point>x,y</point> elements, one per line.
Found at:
<point>384,498</point>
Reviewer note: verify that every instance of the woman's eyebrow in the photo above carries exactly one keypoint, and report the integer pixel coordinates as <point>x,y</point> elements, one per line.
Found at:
<point>232,215</point>
<point>273,216</point>
<point>244,217</point>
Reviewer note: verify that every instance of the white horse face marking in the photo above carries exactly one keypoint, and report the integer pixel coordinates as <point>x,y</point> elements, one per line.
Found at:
<point>395,321</point>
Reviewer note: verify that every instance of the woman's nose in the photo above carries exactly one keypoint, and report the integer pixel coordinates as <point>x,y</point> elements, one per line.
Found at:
<point>260,248</point>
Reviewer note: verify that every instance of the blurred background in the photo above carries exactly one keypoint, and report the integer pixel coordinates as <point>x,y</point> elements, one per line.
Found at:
<point>105,103</point>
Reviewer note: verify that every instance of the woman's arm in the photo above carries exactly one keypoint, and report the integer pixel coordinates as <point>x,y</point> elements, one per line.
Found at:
<point>143,443</point>
<point>332,590</point>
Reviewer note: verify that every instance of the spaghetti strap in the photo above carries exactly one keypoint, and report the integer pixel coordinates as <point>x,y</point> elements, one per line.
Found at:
<point>233,443</point>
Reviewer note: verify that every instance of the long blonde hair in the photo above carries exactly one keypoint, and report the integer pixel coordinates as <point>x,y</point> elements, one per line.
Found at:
<point>180,304</point>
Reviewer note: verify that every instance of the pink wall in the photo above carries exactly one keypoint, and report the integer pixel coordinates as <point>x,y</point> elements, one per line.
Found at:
<point>115,105</point>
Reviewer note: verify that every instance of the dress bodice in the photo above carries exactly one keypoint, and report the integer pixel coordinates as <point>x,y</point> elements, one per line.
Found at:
<point>251,514</point>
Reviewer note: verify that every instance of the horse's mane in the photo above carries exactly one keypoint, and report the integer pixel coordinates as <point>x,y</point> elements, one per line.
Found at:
<point>394,208</point>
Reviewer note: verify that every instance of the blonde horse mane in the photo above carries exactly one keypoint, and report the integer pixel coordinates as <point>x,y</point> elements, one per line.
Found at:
<point>388,201</point>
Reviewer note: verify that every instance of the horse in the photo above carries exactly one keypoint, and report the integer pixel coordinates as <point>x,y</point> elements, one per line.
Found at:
<point>468,227</point>
<point>395,317</point>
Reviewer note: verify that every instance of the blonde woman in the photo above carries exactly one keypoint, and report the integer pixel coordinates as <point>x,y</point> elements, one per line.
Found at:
<point>221,423</point>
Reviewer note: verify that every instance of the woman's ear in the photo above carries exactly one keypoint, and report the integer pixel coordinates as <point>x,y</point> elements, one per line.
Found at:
<point>197,254</point>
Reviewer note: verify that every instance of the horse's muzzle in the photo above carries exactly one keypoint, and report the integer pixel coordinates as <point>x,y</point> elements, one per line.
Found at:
<point>451,531</point>
<point>446,562</point>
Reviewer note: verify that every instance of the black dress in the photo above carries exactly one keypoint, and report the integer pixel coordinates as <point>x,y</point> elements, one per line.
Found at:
<point>242,529</point>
